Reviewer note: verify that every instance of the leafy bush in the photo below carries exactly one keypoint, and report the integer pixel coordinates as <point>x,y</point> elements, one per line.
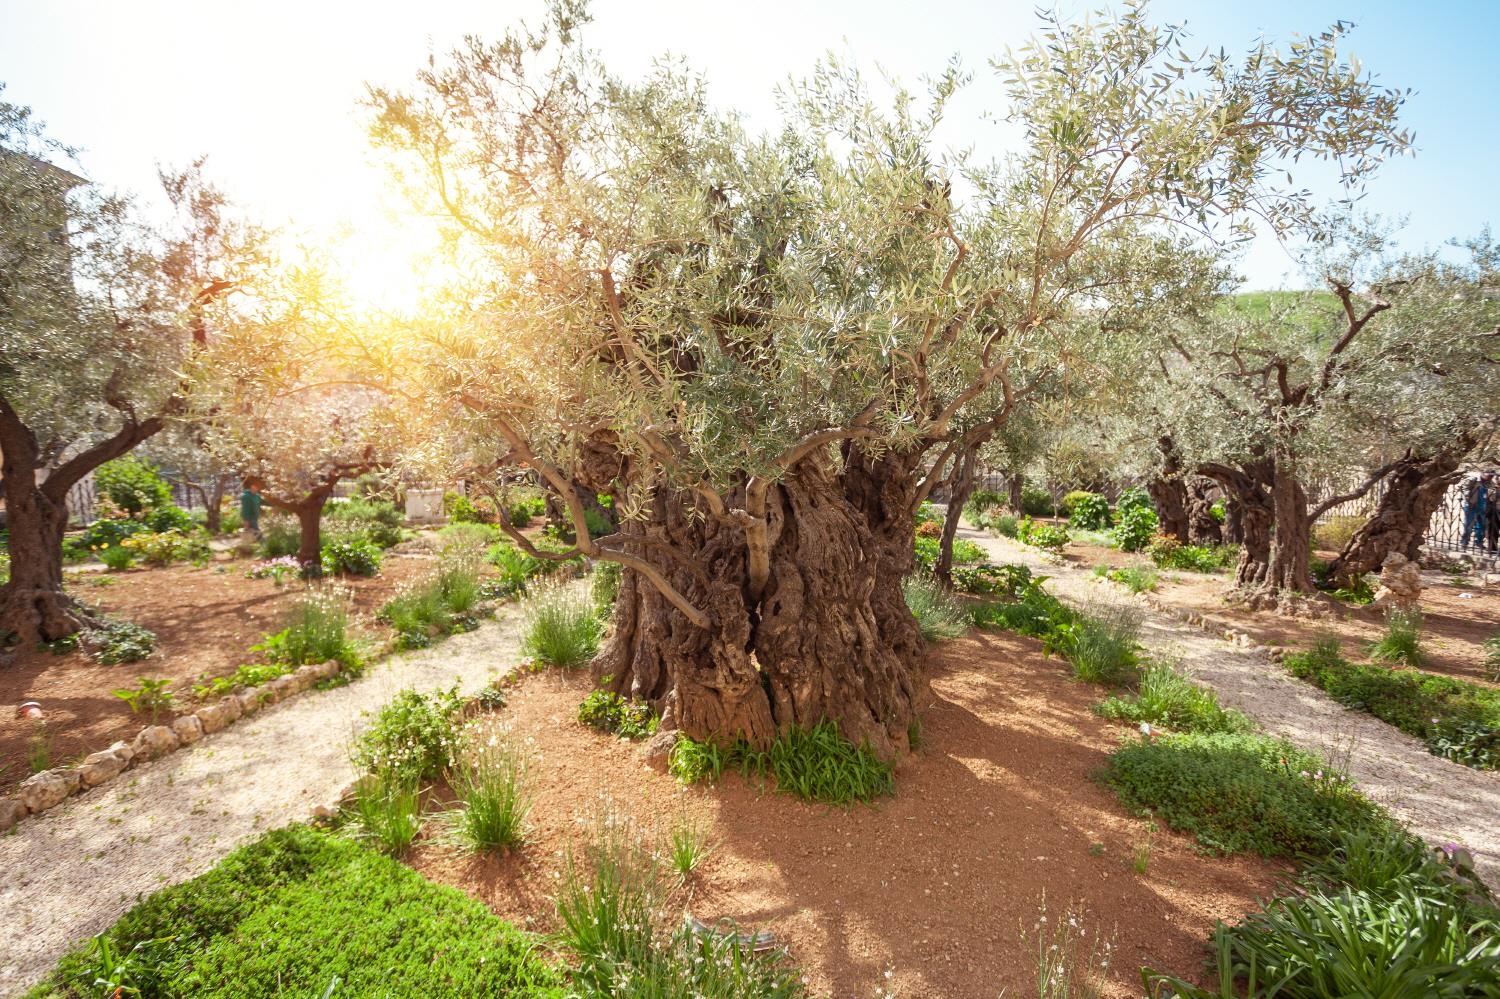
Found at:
<point>1456,719</point>
<point>524,509</point>
<point>149,697</point>
<point>1134,498</point>
<point>559,625</point>
<point>1037,614</point>
<point>1333,533</point>
<point>117,642</point>
<point>1169,553</point>
<point>1136,578</point>
<point>517,566</point>
<point>117,559</point>
<point>169,546</point>
<point>100,537</point>
<point>351,557</point>
<point>1238,791</point>
<point>297,911</point>
<point>377,521</point>
<point>927,549</point>
<point>1134,528</point>
<point>1167,699</point>
<point>317,630</point>
<point>1401,642</point>
<point>1045,536</point>
<point>132,484</point>
<point>609,712</point>
<point>244,676</point>
<point>1086,511</point>
<point>461,509</point>
<point>489,779</point>
<point>611,908</point>
<point>816,764</point>
<point>939,613</point>
<point>1036,502</point>
<point>1007,526</point>
<point>979,505</point>
<point>412,738</point>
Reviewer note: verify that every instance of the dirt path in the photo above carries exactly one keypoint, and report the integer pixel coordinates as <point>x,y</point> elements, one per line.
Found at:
<point>1438,800</point>
<point>71,872</point>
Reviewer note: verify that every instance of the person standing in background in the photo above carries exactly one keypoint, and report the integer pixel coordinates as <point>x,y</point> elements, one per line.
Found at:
<point>250,507</point>
<point>1475,510</point>
<point>1491,513</point>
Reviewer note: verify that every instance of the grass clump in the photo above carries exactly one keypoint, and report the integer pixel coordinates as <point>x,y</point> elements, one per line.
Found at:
<point>688,846</point>
<point>1240,792</point>
<point>559,625</point>
<point>301,912</point>
<point>939,613</point>
<point>610,906</point>
<point>1136,578</point>
<point>1169,553</point>
<point>816,764</point>
<point>387,811</point>
<point>1401,642</point>
<point>1101,643</point>
<point>1457,720</point>
<point>441,603</point>
<point>609,712</point>
<point>1167,699</point>
<point>490,782</point>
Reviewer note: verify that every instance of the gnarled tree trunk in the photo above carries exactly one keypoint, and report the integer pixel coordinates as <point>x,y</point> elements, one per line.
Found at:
<point>1290,568</point>
<point>1413,493</point>
<point>828,638</point>
<point>1252,510</point>
<point>1169,494</point>
<point>1202,528</point>
<point>963,485</point>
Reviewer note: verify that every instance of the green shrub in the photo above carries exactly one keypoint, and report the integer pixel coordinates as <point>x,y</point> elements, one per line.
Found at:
<point>939,613</point>
<point>1045,536</point>
<point>611,908</point>
<point>317,630</point>
<point>559,626</point>
<point>300,912</point>
<point>1037,614</point>
<point>132,484</point>
<point>1169,553</point>
<point>1036,502</point>
<point>927,549</point>
<point>461,509</point>
<point>1136,578</point>
<point>245,675</point>
<point>1239,791</point>
<point>816,764</point>
<point>489,780</point>
<point>1166,699</point>
<point>1456,719</point>
<point>609,712</point>
<point>165,547</point>
<point>417,613</point>
<point>117,559</point>
<point>1007,526</point>
<point>116,642</point>
<point>351,557</point>
<point>412,738</point>
<point>980,504</point>
<point>517,567</point>
<point>604,586</point>
<point>524,509</point>
<point>1401,642</point>
<point>376,521</point>
<point>1134,528</point>
<point>1086,511</point>
<point>1134,498</point>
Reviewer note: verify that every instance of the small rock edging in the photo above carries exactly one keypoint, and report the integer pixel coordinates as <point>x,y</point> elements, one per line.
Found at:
<point>51,788</point>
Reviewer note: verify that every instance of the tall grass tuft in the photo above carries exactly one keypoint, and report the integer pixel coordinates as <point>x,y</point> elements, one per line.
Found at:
<point>490,782</point>
<point>816,764</point>
<point>1102,643</point>
<point>939,613</point>
<point>1401,641</point>
<point>689,846</point>
<point>387,811</point>
<point>317,630</point>
<point>559,626</point>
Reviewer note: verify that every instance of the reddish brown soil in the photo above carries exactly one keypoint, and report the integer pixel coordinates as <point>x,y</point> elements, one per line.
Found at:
<point>1453,633</point>
<point>936,885</point>
<point>205,620</point>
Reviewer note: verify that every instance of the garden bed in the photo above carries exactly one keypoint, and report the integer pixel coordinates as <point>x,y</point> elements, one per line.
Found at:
<point>935,885</point>
<point>205,620</point>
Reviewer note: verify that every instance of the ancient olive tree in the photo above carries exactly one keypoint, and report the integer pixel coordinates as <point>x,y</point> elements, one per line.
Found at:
<point>98,316</point>
<point>1276,392</point>
<point>769,348</point>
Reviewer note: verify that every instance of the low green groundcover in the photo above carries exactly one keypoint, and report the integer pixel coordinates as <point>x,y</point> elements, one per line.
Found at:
<point>304,913</point>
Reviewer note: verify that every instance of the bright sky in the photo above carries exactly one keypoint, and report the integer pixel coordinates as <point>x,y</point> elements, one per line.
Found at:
<point>269,89</point>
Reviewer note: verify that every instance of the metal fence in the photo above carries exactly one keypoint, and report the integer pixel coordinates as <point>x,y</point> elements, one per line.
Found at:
<point>1444,532</point>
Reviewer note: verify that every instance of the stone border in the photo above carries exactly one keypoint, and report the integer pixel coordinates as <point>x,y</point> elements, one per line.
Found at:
<point>50,788</point>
